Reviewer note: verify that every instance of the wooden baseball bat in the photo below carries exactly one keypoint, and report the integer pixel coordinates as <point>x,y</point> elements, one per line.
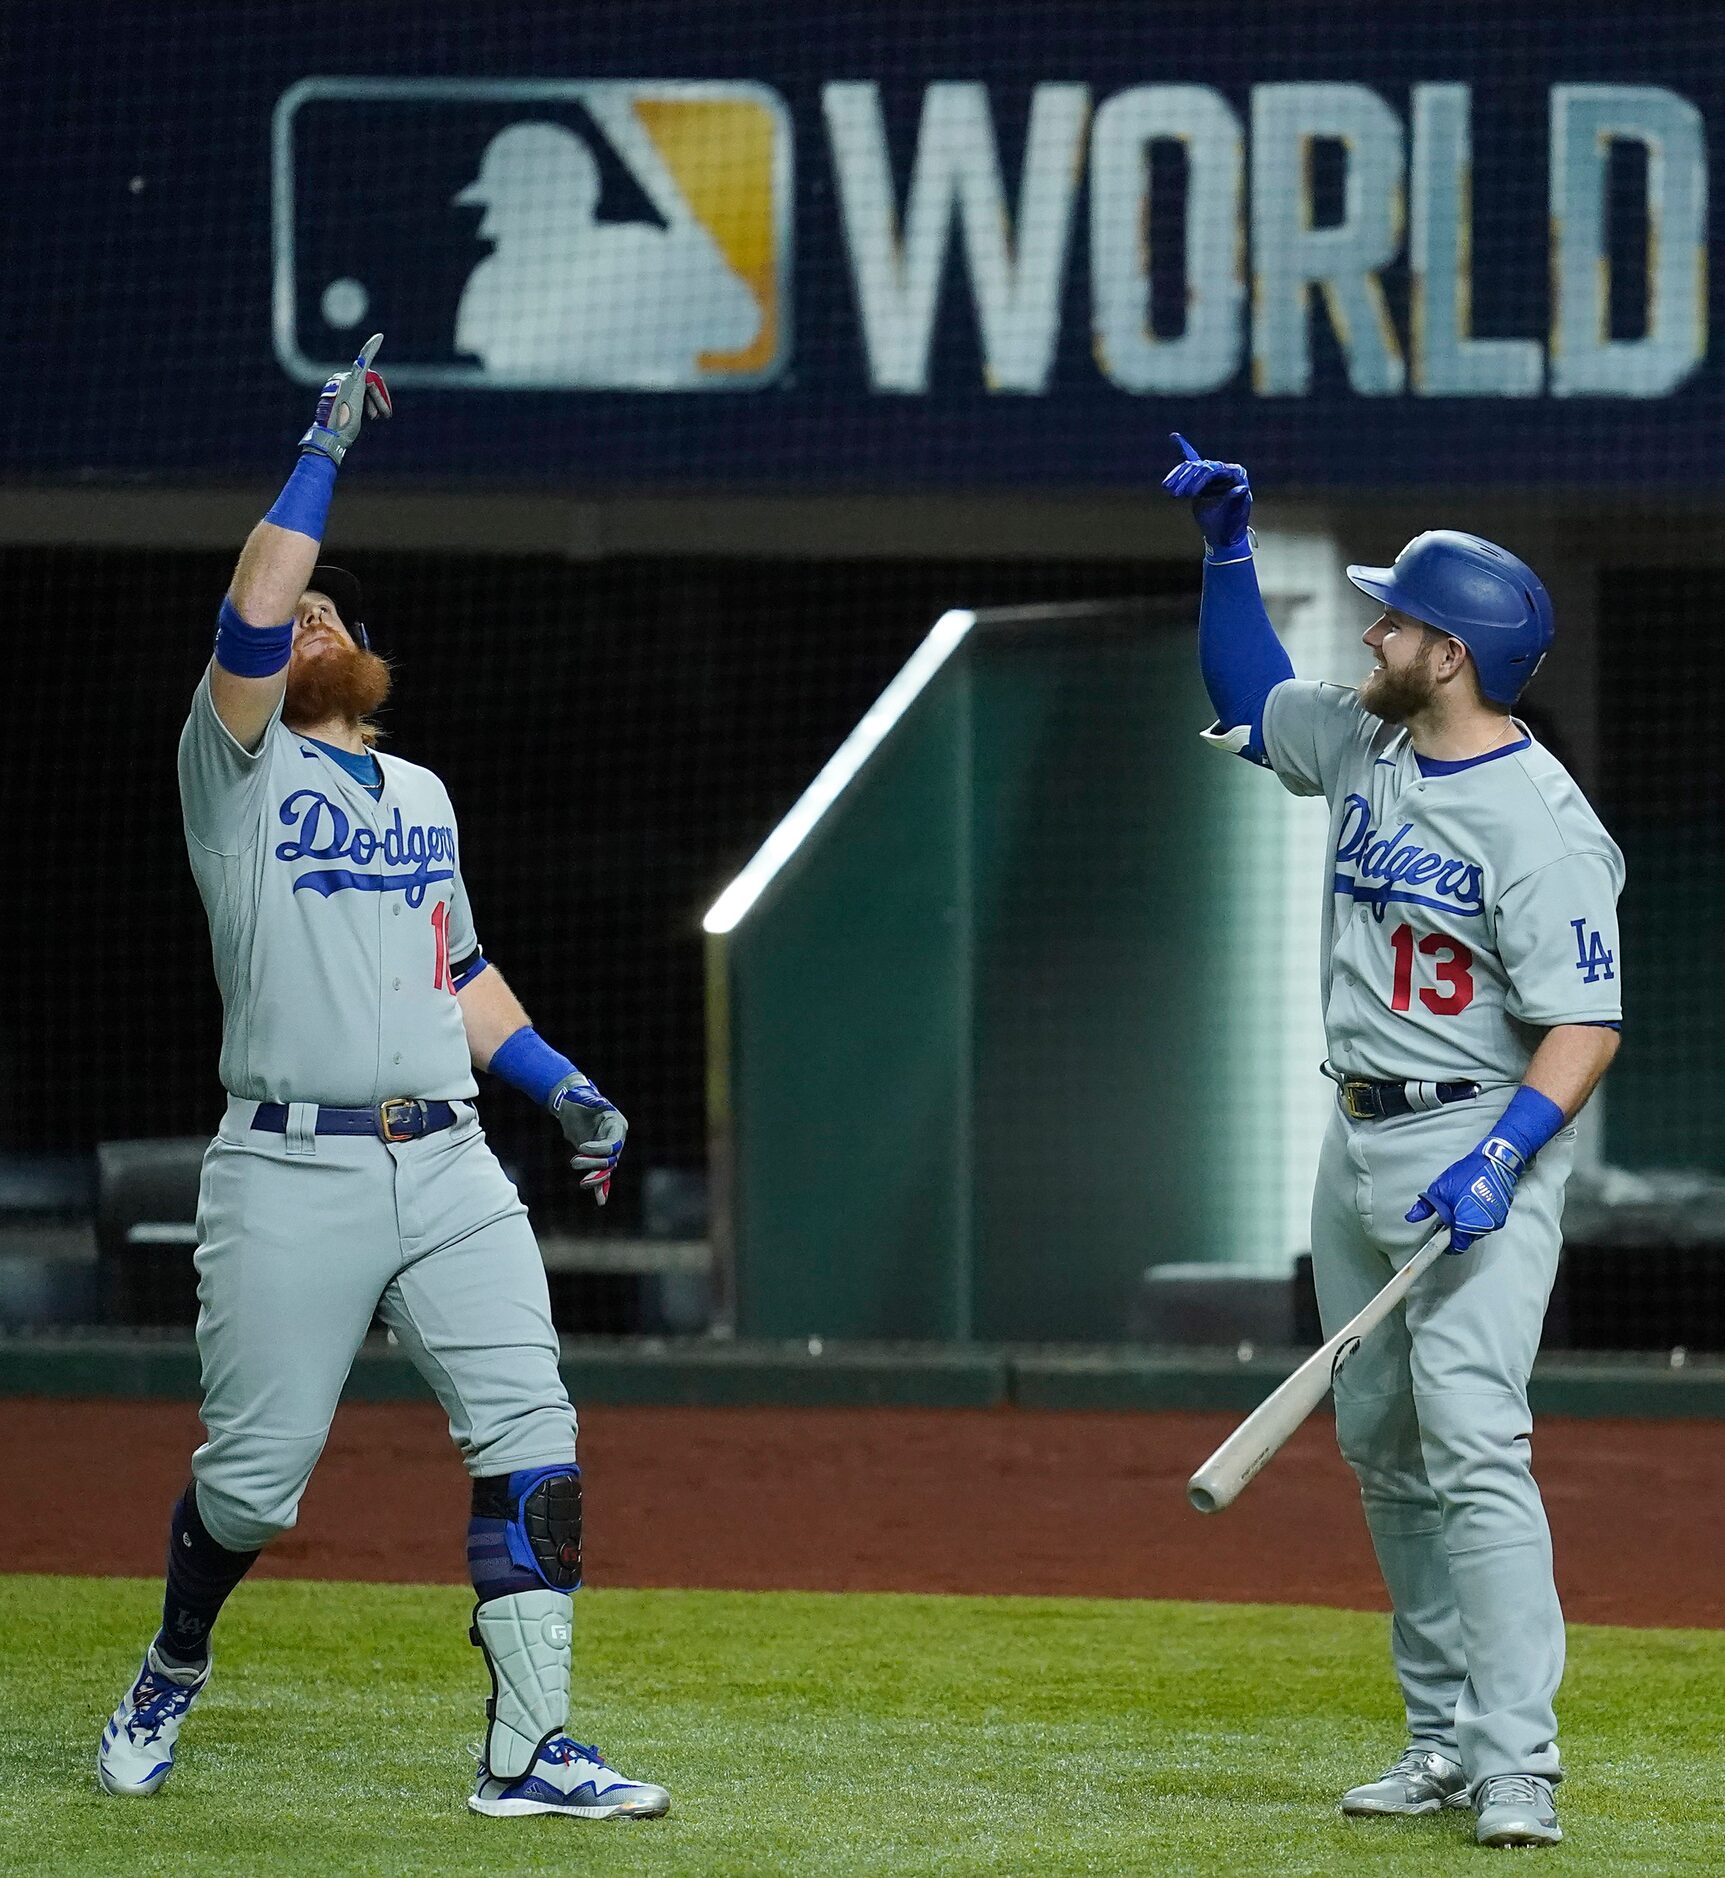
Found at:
<point>1238,1461</point>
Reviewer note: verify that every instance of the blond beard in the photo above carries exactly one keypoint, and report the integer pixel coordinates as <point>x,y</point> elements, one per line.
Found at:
<point>345,683</point>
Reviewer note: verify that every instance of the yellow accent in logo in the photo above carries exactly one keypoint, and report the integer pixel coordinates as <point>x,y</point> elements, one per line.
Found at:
<point>720,152</point>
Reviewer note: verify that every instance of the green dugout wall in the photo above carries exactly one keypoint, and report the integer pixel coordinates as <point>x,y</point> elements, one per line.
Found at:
<point>970,1019</point>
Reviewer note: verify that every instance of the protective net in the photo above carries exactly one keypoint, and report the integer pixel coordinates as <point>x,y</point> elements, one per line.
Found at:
<point>731,346</point>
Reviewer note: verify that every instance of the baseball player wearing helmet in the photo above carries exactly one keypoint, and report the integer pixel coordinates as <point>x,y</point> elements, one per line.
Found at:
<point>1471,1003</point>
<point>350,1175</point>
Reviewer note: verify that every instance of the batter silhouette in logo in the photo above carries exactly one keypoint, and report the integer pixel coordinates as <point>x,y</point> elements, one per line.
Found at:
<point>567,299</point>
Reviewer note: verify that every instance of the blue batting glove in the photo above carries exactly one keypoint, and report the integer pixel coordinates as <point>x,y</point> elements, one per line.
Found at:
<point>1220,495</point>
<point>1473,1196</point>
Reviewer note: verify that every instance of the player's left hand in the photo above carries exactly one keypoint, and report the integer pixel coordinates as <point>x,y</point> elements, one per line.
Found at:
<point>594,1128</point>
<point>1220,494</point>
<point>346,400</point>
<point>1473,1196</point>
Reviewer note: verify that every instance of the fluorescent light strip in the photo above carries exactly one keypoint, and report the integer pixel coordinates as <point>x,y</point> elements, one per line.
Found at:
<point>911,680</point>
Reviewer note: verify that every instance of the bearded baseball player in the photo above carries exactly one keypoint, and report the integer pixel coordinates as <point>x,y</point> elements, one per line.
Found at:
<point>1471,1003</point>
<point>350,1174</point>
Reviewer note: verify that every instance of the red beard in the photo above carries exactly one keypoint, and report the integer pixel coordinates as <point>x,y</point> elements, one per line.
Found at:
<point>343,682</point>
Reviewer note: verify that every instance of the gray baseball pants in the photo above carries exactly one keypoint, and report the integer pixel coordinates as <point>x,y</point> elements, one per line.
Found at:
<point>302,1238</point>
<point>1432,1416</point>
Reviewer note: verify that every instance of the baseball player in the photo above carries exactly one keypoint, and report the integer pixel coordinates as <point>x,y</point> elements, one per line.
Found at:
<point>350,1174</point>
<point>1471,1003</point>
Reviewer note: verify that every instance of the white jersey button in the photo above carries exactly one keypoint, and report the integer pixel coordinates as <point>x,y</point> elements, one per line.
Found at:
<point>398,984</point>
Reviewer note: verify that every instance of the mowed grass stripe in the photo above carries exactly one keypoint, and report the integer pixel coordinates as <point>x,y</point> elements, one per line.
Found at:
<point>809,1733</point>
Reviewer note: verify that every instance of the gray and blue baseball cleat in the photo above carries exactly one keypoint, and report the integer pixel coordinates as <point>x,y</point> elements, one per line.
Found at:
<point>137,1751</point>
<point>1515,1809</point>
<point>570,1779</point>
<point>1422,1781</point>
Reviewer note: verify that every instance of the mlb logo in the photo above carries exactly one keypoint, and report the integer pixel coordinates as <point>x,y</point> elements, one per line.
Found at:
<point>551,235</point>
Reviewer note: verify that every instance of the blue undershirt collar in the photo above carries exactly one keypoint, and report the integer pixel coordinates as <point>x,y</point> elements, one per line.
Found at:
<point>1437,766</point>
<point>363,768</point>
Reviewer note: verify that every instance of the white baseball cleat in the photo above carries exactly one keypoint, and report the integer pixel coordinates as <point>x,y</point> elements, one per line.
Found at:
<point>137,1751</point>
<point>1422,1781</point>
<point>570,1779</point>
<point>1516,1809</point>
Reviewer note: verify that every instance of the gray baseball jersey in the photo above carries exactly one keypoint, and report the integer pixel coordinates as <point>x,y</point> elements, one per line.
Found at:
<point>333,921</point>
<point>1470,905</point>
<point>333,918</point>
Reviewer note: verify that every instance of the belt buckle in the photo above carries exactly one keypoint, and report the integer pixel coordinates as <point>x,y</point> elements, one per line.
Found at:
<point>1357,1111</point>
<point>388,1110</point>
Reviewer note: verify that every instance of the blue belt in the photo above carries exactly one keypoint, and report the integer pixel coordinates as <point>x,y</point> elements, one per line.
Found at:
<point>401,1118</point>
<point>1377,1101</point>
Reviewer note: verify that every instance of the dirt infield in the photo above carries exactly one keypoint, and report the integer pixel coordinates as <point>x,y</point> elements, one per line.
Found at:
<point>889,1499</point>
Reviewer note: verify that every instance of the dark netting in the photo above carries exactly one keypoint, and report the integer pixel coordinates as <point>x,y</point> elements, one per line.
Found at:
<point>731,347</point>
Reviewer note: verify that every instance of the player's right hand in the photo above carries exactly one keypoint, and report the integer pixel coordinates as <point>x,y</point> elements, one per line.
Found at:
<point>594,1128</point>
<point>1220,495</point>
<point>346,399</point>
<point>1472,1196</point>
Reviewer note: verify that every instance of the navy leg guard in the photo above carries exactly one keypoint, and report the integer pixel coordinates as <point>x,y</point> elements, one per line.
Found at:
<point>525,1532</point>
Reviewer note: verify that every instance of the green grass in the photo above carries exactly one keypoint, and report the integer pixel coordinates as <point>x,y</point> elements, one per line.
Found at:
<point>816,1734</point>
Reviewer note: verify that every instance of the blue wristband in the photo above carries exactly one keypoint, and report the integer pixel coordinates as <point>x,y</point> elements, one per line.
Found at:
<point>527,1062</point>
<point>303,504</point>
<point>250,651</point>
<point>1529,1122</point>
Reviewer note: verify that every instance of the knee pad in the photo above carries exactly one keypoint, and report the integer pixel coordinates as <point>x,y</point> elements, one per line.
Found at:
<point>526,1641</point>
<point>540,1508</point>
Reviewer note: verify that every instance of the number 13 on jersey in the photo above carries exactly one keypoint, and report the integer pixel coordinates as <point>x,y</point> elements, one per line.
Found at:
<point>1452,967</point>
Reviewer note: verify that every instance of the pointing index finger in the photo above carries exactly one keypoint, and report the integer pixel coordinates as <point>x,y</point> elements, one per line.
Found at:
<point>1186,449</point>
<point>368,352</point>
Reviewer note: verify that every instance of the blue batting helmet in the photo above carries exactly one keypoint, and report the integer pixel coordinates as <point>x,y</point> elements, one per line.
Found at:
<point>1476,592</point>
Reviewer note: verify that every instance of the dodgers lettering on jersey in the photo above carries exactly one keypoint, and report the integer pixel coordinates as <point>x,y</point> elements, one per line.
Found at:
<point>413,857</point>
<point>1384,869</point>
<point>1469,909</point>
<point>333,918</point>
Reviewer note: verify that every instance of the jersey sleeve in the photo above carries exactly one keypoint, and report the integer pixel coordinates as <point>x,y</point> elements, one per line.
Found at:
<point>463,939</point>
<point>1557,937</point>
<point>220,779</point>
<point>1309,729</point>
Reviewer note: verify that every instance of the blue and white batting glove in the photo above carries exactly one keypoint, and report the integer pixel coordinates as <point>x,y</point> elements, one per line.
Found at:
<point>1472,1197</point>
<point>1221,499</point>
<point>347,399</point>
<point>594,1128</point>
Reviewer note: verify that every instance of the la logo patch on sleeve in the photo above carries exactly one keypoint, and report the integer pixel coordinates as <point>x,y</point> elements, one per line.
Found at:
<point>1591,956</point>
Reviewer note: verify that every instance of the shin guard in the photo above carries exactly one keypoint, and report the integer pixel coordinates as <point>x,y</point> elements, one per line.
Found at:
<point>526,1640</point>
